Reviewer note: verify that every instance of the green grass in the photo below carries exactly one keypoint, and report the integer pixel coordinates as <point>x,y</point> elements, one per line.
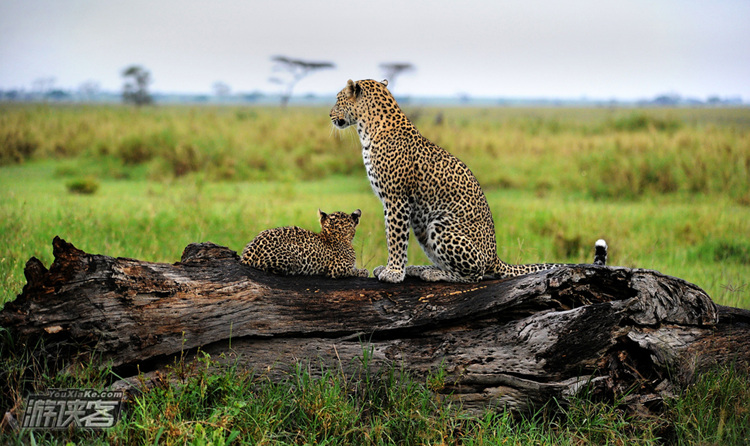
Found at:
<point>702,239</point>
<point>218,402</point>
<point>715,409</point>
<point>668,189</point>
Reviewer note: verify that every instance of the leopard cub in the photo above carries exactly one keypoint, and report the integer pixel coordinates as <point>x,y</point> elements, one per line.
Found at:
<point>295,251</point>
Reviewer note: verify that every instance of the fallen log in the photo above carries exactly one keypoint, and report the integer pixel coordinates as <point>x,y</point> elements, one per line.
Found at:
<point>515,343</point>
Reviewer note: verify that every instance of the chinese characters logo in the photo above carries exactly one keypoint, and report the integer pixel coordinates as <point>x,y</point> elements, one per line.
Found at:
<point>81,408</point>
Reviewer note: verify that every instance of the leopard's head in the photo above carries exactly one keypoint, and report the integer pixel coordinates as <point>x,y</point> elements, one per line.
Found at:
<point>361,100</point>
<point>339,226</point>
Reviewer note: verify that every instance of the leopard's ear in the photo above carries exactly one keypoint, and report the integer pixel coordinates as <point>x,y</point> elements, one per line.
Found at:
<point>322,216</point>
<point>355,216</point>
<point>384,82</point>
<point>353,89</point>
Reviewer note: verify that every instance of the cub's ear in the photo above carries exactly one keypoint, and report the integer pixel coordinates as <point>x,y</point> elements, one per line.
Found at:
<point>384,82</point>
<point>355,216</point>
<point>322,216</point>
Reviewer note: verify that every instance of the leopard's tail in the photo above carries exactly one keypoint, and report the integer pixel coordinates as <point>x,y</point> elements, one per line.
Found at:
<point>502,269</point>
<point>600,252</point>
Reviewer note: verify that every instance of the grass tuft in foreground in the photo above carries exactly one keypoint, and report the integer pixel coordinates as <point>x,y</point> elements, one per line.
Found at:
<point>714,410</point>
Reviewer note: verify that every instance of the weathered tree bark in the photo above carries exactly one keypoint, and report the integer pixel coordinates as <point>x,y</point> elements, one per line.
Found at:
<point>513,343</point>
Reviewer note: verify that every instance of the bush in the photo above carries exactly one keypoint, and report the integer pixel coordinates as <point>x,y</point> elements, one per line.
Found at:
<point>640,121</point>
<point>83,186</point>
<point>16,146</point>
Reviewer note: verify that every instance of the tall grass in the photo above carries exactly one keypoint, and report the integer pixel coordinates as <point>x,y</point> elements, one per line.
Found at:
<point>714,410</point>
<point>223,143</point>
<point>607,154</point>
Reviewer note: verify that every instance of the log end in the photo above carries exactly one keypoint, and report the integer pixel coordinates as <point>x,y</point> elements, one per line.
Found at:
<point>63,250</point>
<point>13,312</point>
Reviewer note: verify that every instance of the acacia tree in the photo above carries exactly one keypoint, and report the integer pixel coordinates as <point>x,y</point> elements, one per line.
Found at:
<point>135,89</point>
<point>394,69</point>
<point>296,69</point>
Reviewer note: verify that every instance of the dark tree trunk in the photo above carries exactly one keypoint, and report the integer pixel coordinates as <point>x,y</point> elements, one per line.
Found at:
<point>510,343</point>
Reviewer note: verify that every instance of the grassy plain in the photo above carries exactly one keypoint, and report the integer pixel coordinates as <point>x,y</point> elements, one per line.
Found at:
<point>668,188</point>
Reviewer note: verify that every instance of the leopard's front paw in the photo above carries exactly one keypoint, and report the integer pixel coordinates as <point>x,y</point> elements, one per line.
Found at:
<point>388,275</point>
<point>363,273</point>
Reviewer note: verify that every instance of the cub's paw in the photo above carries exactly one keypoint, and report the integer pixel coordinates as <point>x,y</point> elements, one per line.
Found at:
<point>387,275</point>
<point>362,273</point>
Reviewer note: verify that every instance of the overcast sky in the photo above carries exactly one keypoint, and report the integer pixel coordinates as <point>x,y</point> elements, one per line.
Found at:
<point>625,49</point>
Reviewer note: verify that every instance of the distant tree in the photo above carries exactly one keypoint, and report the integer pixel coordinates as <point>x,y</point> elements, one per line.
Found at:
<point>221,90</point>
<point>393,70</point>
<point>669,99</point>
<point>135,89</point>
<point>252,97</point>
<point>89,89</point>
<point>57,95</point>
<point>297,69</point>
<point>41,87</point>
<point>12,95</point>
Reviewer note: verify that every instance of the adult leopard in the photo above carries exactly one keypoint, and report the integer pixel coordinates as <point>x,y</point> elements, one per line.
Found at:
<point>424,187</point>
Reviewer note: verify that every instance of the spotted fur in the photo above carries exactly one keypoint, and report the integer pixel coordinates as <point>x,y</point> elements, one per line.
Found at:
<point>296,251</point>
<point>424,187</point>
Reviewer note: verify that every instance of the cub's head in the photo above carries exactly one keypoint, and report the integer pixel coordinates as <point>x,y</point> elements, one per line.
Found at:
<point>362,100</point>
<point>339,225</point>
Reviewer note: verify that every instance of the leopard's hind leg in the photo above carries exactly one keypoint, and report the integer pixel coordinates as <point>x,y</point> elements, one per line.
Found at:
<point>455,256</point>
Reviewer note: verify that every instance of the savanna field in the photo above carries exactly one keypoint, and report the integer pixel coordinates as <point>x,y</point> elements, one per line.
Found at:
<point>669,189</point>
